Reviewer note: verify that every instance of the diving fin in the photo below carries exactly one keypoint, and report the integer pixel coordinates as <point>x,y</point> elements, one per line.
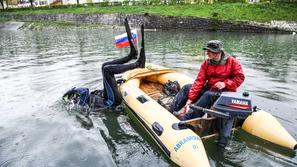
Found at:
<point>141,59</point>
<point>133,50</point>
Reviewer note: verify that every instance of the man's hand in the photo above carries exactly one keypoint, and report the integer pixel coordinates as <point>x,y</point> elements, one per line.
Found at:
<point>183,112</point>
<point>220,85</point>
<point>187,106</point>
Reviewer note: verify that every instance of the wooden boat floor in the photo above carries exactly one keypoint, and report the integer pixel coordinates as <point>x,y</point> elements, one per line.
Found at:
<point>153,89</point>
<point>156,91</point>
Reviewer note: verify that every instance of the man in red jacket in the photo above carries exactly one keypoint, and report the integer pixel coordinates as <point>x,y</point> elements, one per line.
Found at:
<point>219,72</point>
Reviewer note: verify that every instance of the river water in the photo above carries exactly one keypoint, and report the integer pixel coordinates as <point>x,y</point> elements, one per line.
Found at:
<point>37,67</point>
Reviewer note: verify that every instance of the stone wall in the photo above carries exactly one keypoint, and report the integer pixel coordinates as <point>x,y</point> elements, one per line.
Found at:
<point>289,25</point>
<point>151,21</point>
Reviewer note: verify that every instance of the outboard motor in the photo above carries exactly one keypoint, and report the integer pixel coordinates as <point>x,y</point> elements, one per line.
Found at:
<point>236,105</point>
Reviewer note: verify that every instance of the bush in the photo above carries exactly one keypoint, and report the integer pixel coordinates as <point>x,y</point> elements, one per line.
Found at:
<point>103,3</point>
<point>214,14</point>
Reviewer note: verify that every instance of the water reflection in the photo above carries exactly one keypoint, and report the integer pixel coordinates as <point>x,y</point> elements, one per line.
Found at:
<point>38,66</point>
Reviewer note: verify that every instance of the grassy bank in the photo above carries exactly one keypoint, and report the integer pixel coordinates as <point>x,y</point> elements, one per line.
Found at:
<point>223,11</point>
<point>45,25</point>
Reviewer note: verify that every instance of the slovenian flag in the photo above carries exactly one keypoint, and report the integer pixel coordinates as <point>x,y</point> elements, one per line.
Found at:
<point>122,40</point>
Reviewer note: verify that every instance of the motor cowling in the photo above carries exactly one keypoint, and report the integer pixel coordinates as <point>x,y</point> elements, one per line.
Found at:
<point>235,104</point>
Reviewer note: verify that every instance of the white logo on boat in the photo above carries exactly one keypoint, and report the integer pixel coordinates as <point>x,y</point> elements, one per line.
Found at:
<point>185,140</point>
<point>241,102</point>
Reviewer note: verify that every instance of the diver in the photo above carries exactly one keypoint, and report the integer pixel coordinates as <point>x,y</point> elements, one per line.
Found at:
<point>110,95</point>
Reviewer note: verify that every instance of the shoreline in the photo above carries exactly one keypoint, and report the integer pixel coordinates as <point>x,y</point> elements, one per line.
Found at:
<point>158,22</point>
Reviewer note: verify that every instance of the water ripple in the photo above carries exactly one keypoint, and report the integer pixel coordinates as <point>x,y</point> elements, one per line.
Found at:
<point>37,67</point>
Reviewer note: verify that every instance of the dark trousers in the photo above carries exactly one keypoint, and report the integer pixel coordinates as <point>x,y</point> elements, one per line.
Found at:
<point>205,99</point>
<point>112,96</point>
<point>180,99</point>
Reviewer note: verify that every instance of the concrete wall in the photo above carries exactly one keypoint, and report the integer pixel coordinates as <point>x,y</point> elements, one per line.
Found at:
<point>151,21</point>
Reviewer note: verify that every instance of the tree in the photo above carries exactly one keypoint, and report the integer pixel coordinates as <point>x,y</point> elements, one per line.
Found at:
<point>2,4</point>
<point>77,1</point>
<point>31,2</point>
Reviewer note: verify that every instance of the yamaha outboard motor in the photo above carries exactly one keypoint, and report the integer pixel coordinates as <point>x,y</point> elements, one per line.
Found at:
<point>232,105</point>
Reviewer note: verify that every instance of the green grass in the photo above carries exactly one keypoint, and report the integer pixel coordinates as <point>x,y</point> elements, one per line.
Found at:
<point>39,25</point>
<point>223,11</point>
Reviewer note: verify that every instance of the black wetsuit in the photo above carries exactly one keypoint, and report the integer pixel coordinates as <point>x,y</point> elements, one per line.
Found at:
<point>112,96</point>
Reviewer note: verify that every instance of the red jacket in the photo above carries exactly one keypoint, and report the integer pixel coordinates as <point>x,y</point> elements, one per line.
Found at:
<point>229,72</point>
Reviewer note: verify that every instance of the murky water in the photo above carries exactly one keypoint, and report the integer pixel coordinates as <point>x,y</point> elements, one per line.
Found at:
<point>37,67</point>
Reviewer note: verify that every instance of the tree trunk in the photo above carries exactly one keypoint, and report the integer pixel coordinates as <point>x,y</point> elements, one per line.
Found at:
<point>31,2</point>
<point>77,1</point>
<point>2,4</point>
<point>6,4</point>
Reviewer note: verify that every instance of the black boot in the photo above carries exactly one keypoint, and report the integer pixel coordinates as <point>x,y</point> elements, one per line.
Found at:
<point>133,51</point>
<point>141,59</point>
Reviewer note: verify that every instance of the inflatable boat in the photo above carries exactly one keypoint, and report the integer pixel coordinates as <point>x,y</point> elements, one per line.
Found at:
<point>142,90</point>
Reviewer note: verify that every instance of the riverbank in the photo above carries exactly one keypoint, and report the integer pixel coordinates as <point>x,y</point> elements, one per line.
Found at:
<point>262,12</point>
<point>149,20</point>
<point>216,17</point>
<point>44,25</point>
